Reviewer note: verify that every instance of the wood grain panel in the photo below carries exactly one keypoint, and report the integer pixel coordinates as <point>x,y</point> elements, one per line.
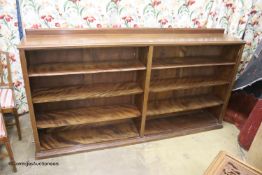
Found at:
<point>126,39</point>
<point>76,55</point>
<point>87,135</point>
<point>23,61</point>
<point>178,94</point>
<point>167,63</point>
<point>85,68</point>
<point>182,123</point>
<point>187,72</point>
<point>182,104</point>
<point>184,83</point>
<point>188,51</point>
<point>62,105</point>
<point>66,31</point>
<point>236,55</point>
<point>85,92</point>
<point>111,144</point>
<point>88,115</point>
<point>82,79</point>
<point>146,83</point>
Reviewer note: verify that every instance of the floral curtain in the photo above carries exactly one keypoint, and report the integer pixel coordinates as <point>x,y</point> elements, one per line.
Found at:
<point>239,18</point>
<point>9,39</point>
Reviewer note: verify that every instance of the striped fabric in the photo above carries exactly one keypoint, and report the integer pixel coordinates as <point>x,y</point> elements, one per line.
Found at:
<point>6,99</point>
<point>2,128</point>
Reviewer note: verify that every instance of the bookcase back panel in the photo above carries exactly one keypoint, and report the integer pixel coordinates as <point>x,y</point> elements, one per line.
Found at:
<point>215,111</point>
<point>216,72</point>
<point>84,79</point>
<point>220,91</point>
<point>44,107</point>
<point>194,54</point>
<point>167,115</point>
<point>85,126</point>
<point>186,51</point>
<point>179,94</point>
<point>82,135</point>
<point>83,55</point>
<point>230,52</point>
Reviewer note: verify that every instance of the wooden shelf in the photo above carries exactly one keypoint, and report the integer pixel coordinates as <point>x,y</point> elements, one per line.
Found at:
<point>88,115</point>
<point>167,63</point>
<point>182,104</point>
<point>53,38</point>
<point>77,105</point>
<point>180,124</point>
<point>81,135</point>
<point>84,68</point>
<point>84,92</point>
<point>172,126</point>
<point>184,83</point>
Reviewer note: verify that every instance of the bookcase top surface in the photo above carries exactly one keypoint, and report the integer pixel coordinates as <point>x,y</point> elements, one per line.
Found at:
<point>80,38</point>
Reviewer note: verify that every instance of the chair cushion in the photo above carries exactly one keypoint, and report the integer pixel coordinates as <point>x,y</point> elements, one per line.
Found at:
<point>6,99</point>
<point>2,127</point>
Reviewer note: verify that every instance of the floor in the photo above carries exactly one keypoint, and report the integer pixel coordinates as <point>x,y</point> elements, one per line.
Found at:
<point>186,155</point>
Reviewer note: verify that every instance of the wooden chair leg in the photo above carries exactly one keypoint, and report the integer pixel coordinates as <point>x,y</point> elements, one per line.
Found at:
<point>11,156</point>
<point>17,123</point>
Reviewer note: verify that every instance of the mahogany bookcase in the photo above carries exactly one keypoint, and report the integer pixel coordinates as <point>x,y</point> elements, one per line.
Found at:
<point>96,89</point>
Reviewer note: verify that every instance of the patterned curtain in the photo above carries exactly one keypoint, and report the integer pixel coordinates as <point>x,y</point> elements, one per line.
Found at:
<point>9,39</point>
<point>239,18</point>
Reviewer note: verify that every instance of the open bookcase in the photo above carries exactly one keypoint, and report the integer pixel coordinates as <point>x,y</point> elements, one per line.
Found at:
<point>96,89</point>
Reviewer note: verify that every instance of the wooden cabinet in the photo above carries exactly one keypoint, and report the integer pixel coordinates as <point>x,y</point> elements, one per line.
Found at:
<point>95,89</point>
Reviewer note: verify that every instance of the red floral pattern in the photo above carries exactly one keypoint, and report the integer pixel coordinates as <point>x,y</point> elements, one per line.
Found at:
<point>9,39</point>
<point>7,18</point>
<point>127,19</point>
<point>235,17</point>
<point>156,3</point>
<point>89,19</point>
<point>74,1</point>
<point>163,21</point>
<point>36,26</point>
<point>47,18</point>
<point>116,1</point>
<point>190,2</point>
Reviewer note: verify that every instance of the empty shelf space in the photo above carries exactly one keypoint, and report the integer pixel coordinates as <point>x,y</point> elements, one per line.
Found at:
<point>182,104</point>
<point>88,115</point>
<point>84,92</point>
<point>184,83</point>
<point>181,124</point>
<point>82,135</point>
<point>165,63</point>
<point>84,68</point>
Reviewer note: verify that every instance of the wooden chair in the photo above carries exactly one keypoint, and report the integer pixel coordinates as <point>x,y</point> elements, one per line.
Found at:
<point>4,140</point>
<point>7,97</point>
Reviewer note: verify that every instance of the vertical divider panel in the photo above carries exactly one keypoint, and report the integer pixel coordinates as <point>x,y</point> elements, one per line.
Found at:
<point>237,55</point>
<point>29,99</point>
<point>146,83</point>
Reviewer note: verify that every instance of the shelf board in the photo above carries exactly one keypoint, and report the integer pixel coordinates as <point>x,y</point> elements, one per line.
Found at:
<point>85,91</point>
<point>88,115</point>
<point>182,123</point>
<point>47,38</point>
<point>182,104</point>
<point>184,83</point>
<point>167,63</point>
<point>56,69</point>
<point>82,135</point>
<point>178,126</point>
